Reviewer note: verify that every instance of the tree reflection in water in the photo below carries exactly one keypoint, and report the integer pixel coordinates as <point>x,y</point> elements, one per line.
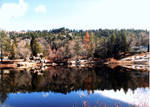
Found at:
<point>64,80</point>
<point>3,94</point>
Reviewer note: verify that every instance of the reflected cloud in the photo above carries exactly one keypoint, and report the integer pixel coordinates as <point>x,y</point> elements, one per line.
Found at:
<point>139,97</point>
<point>45,95</point>
<point>4,105</point>
<point>82,94</point>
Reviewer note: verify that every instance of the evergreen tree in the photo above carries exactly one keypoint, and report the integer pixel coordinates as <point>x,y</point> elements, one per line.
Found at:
<point>67,51</point>
<point>113,42</point>
<point>124,44</point>
<point>93,44</point>
<point>27,45</point>
<point>5,44</point>
<point>13,51</point>
<point>148,48</point>
<point>77,48</point>
<point>35,46</point>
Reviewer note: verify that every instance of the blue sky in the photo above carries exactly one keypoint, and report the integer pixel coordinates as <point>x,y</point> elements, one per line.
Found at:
<point>74,14</point>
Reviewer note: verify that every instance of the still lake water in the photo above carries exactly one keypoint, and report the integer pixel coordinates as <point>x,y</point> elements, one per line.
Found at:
<point>74,87</point>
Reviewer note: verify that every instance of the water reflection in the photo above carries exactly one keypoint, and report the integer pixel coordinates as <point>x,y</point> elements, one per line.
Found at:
<point>139,97</point>
<point>69,84</point>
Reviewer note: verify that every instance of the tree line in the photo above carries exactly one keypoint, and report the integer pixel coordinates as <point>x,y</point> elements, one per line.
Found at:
<point>63,44</point>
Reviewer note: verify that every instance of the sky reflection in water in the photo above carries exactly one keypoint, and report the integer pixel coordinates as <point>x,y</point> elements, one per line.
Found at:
<point>109,98</point>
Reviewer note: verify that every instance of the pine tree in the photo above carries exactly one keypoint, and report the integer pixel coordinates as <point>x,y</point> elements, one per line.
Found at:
<point>113,44</point>
<point>93,44</point>
<point>77,48</point>
<point>67,51</point>
<point>35,46</point>
<point>124,41</point>
<point>27,45</point>
<point>5,44</point>
<point>13,51</point>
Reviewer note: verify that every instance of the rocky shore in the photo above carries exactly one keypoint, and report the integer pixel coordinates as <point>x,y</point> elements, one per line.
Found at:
<point>138,62</point>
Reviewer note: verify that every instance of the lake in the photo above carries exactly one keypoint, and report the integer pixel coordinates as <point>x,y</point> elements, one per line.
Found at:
<point>74,87</point>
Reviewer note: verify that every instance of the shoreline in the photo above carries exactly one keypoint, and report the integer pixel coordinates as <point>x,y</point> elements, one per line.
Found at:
<point>138,61</point>
<point>112,64</point>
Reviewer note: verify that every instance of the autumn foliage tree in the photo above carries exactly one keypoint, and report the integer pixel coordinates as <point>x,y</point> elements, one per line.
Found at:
<point>89,43</point>
<point>86,41</point>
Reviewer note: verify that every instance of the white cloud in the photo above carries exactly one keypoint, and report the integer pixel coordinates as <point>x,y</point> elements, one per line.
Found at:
<point>4,105</point>
<point>139,97</point>
<point>45,95</point>
<point>40,9</point>
<point>82,94</point>
<point>12,10</point>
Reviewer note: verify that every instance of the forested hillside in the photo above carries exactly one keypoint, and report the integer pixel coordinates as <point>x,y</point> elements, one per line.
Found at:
<point>62,44</point>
